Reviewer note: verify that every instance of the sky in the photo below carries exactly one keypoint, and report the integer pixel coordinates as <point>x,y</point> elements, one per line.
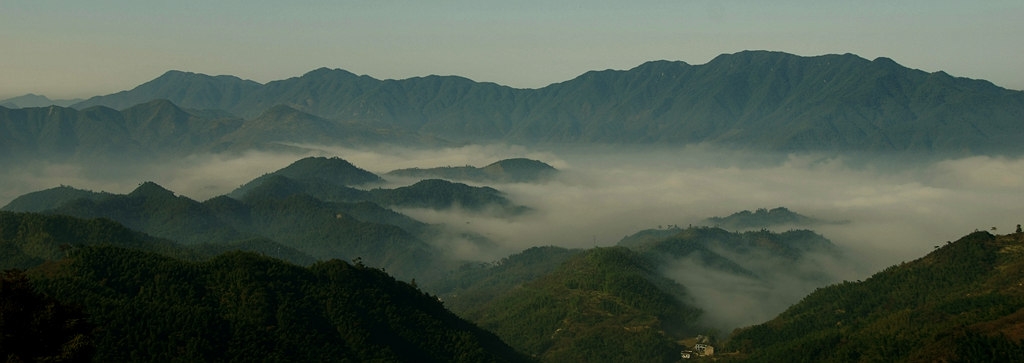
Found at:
<point>78,49</point>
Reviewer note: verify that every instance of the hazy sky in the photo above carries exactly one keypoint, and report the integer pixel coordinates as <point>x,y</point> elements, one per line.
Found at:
<point>66,49</point>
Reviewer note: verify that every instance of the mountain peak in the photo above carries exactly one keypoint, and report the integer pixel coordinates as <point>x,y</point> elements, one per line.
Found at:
<point>150,189</point>
<point>323,72</point>
<point>519,170</point>
<point>177,73</point>
<point>184,75</point>
<point>191,90</point>
<point>334,169</point>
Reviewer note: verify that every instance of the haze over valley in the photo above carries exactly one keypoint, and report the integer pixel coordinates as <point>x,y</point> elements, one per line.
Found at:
<point>665,208</point>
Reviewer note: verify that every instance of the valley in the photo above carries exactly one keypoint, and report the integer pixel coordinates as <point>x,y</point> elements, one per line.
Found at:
<point>761,206</point>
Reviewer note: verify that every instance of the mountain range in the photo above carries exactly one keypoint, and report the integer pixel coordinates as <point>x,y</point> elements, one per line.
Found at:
<point>160,128</point>
<point>34,100</point>
<point>643,300</point>
<point>757,100</point>
<point>307,211</point>
<point>302,262</point>
<point>311,211</point>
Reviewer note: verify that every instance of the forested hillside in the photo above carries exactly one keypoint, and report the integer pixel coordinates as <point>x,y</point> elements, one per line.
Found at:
<point>93,287</point>
<point>29,239</point>
<point>599,305</point>
<point>244,307</point>
<point>962,302</point>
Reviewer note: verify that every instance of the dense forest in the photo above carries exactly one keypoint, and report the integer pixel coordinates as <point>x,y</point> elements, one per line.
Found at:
<point>108,292</point>
<point>598,305</point>
<point>962,302</point>
<point>92,288</point>
<point>299,264</point>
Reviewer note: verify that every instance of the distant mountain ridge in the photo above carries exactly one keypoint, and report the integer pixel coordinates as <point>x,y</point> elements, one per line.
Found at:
<point>765,218</point>
<point>190,90</point>
<point>754,99</point>
<point>160,128</point>
<point>34,100</point>
<point>516,170</point>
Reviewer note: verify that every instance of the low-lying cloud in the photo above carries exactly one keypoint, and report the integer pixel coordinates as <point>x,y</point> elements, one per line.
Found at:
<point>604,193</point>
<point>896,211</point>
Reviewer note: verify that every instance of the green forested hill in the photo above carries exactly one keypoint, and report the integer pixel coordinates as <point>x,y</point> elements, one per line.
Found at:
<point>332,180</point>
<point>307,210</point>
<point>962,302</point>
<point>599,305</point>
<point>47,199</point>
<point>245,307</point>
<point>442,194</point>
<point>764,218</point>
<point>30,239</point>
<point>326,178</point>
<point>324,230</point>
<point>152,209</point>
<point>295,227</point>
<point>474,284</point>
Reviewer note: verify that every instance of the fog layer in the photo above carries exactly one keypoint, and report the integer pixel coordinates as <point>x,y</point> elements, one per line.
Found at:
<point>896,211</point>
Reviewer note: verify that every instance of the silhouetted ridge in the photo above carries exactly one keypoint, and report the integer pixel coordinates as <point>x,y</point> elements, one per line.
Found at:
<point>194,90</point>
<point>333,169</point>
<point>151,190</point>
<point>508,170</point>
<point>442,194</point>
<point>757,100</point>
<point>519,170</point>
<point>52,198</point>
